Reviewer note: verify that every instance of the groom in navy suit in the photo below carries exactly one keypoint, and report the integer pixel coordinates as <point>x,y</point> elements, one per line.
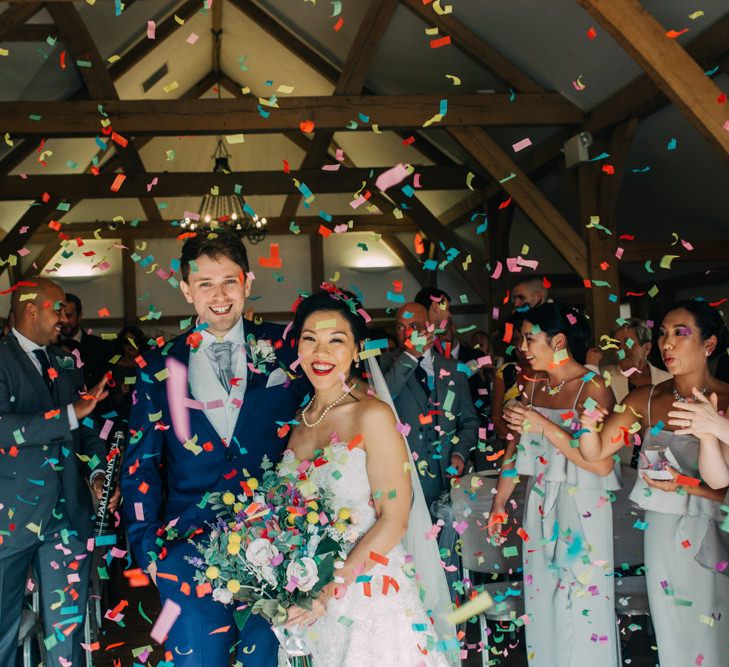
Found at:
<point>206,410</point>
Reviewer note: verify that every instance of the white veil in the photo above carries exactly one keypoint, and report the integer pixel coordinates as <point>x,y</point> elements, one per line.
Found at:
<point>424,551</point>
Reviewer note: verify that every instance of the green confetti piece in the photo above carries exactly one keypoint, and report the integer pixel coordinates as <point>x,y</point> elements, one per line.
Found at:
<point>345,621</point>
<point>510,552</point>
<point>138,651</point>
<point>35,116</point>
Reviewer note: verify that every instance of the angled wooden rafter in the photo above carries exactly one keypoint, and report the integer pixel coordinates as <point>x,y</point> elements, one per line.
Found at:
<point>668,64</point>
<point>98,82</point>
<point>411,262</point>
<point>525,194</point>
<point>16,15</point>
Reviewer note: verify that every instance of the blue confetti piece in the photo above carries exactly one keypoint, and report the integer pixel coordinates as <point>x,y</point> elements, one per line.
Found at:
<point>430,265</point>
<point>672,145</point>
<point>655,430</point>
<point>602,156</point>
<point>443,107</point>
<point>263,112</point>
<point>325,216</point>
<point>408,190</point>
<point>396,298</point>
<point>363,118</point>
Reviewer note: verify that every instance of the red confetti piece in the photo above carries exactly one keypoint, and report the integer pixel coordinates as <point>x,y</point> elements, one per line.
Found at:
<point>409,140</point>
<point>608,169</point>
<point>46,197</point>
<point>626,237</point>
<point>273,261</point>
<point>338,25</point>
<point>508,332</point>
<point>119,139</point>
<point>441,41</point>
<point>103,312</point>
<point>672,34</point>
<point>591,33</point>
<point>686,544</point>
<point>120,178</point>
<point>635,294</point>
<point>286,167</point>
<point>721,99</point>
<point>325,231</point>
<point>504,204</point>
<point>523,534</point>
<point>717,303</point>
<point>687,481</point>
<point>546,282</point>
<point>355,441</point>
<point>62,59</point>
<point>51,414</point>
<point>306,125</point>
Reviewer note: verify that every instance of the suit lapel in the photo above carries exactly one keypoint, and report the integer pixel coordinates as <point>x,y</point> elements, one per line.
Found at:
<point>31,372</point>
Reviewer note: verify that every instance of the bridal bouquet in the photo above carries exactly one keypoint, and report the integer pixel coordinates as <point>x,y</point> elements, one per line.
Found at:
<point>273,545</point>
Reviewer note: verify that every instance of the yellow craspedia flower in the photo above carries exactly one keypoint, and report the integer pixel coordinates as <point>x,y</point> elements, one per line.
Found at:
<point>312,517</point>
<point>340,527</point>
<point>233,548</point>
<point>291,519</point>
<point>212,572</point>
<point>228,498</point>
<point>252,483</point>
<point>313,504</point>
<point>344,514</point>
<point>233,586</point>
<point>234,537</point>
<point>238,507</point>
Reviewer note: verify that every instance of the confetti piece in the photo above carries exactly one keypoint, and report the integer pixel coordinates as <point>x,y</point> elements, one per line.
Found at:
<point>120,178</point>
<point>672,34</point>
<point>591,33</point>
<point>577,84</point>
<point>166,619</point>
<point>150,30</point>
<point>521,145</point>
<point>454,79</point>
<point>440,42</point>
<point>392,177</point>
<point>192,38</point>
<point>696,15</point>
<point>171,86</point>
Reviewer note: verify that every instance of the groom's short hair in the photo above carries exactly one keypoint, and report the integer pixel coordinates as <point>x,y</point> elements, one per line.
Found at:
<point>213,243</point>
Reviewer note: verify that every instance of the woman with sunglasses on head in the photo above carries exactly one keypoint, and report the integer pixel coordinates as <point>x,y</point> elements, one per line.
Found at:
<point>568,546</point>
<point>685,550</point>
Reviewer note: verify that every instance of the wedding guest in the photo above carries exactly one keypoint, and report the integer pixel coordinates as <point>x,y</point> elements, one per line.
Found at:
<point>568,548</point>
<point>509,380</point>
<point>94,350</point>
<point>529,293</point>
<point>685,549</point>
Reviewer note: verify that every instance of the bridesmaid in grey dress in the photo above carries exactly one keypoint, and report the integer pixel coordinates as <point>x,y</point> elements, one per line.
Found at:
<point>568,544</point>
<point>685,549</point>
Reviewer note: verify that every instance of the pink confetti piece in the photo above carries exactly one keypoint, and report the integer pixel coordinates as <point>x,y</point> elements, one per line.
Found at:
<point>104,434</point>
<point>416,181</point>
<point>166,619</point>
<point>686,245</point>
<point>521,145</point>
<point>176,395</point>
<point>22,252</point>
<point>152,183</point>
<point>331,167</point>
<point>192,38</point>
<point>151,30</point>
<point>391,177</point>
<point>512,265</point>
<point>139,511</point>
<point>358,202</point>
<point>341,229</point>
<point>192,404</point>
<point>497,271</point>
<point>619,253</point>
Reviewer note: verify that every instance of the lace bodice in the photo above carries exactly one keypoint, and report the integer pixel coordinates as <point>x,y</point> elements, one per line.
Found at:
<point>342,472</point>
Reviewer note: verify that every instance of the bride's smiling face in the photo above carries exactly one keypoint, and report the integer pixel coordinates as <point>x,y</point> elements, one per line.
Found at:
<point>327,349</point>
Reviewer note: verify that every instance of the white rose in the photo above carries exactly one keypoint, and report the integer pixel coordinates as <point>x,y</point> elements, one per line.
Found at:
<point>222,595</point>
<point>305,571</point>
<point>260,552</point>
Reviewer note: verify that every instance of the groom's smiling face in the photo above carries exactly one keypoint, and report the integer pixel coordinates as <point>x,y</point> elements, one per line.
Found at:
<point>218,291</point>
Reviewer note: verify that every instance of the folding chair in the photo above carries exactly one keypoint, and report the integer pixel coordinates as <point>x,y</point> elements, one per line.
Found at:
<point>31,649</point>
<point>472,499</point>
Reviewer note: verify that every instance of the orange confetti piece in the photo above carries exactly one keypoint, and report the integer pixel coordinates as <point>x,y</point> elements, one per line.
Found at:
<point>441,41</point>
<point>508,332</point>
<point>51,414</point>
<point>355,441</point>
<point>306,125</point>
<point>688,481</point>
<point>119,139</point>
<point>338,25</point>
<point>325,231</point>
<point>379,558</point>
<point>418,244</point>
<point>672,34</point>
<point>273,261</point>
<point>143,488</point>
<point>167,575</point>
<point>111,647</point>
<point>221,630</point>
<point>120,178</point>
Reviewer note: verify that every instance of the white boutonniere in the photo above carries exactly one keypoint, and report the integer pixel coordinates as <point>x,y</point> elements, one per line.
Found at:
<point>262,352</point>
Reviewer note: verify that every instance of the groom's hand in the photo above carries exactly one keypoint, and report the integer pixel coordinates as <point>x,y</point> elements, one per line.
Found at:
<point>458,464</point>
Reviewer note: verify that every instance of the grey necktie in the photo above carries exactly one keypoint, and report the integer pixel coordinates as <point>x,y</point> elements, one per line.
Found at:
<point>223,355</point>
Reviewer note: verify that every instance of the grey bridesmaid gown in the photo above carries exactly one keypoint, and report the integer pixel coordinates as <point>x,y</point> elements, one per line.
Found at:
<point>686,555</point>
<point>568,558</point>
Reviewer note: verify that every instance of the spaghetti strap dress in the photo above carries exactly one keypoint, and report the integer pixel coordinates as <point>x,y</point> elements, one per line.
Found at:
<point>686,558</point>
<point>568,557</point>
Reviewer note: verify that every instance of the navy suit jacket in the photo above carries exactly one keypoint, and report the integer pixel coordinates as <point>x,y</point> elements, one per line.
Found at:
<point>156,459</point>
<point>44,465</point>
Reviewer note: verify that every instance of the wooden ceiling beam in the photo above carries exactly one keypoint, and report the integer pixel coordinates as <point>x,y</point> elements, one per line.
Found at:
<point>16,15</point>
<point>30,32</point>
<point>474,47</point>
<point>144,46</point>
<point>212,116</point>
<point>672,69</point>
<point>167,229</point>
<point>526,195</point>
<point>182,184</point>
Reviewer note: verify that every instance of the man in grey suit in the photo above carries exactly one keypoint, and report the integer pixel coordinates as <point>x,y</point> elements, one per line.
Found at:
<point>48,451</point>
<point>432,397</point>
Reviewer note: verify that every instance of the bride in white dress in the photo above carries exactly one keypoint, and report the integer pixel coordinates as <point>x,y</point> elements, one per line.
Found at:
<point>383,608</point>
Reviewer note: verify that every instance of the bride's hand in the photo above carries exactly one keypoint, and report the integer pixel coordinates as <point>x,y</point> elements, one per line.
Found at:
<point>300,616</point>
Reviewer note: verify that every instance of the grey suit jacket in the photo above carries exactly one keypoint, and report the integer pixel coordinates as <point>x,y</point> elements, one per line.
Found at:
<point>454,425</point>
<point>44,465</point>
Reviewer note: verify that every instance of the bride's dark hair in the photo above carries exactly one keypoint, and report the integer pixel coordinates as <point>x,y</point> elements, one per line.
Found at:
<point>331,298</point>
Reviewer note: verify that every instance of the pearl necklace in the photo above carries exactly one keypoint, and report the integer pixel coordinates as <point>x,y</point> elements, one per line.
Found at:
<point>685,399</point>
<point>323,412</point>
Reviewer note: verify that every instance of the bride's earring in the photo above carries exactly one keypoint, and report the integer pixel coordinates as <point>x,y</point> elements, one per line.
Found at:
<point>356,363</point>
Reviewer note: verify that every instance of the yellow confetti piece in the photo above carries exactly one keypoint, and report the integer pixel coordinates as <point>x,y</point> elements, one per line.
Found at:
<point>666,260</point>
<point>268,102</point>
<point>431,31</point>
<point>215,191</point>
<point>8,140</point>
<point>192,447</point>
<point>113,59</point>
<point>141,246</point>
<point>365,354</point>
<point>326,324</point>
<point>594,221</point>
<point>397,214</point>
<point>97,234</point>
<point>245,90</point>
<point>442,11</point>
<point>171,86</point>
<point>469,179</point>
<point>285,90</point>
<point>34,528</point>
<point>105,122</point>
<point>28,297</point>
<point>467,262</point>
<point>335,277</point>
<point>696,15</point>
<point>524,250</point>
<point>4,52</point>
<point>376,128</point>
<point>235,138</point>
<point>455,79</point>
<point>653,291</point>
<point>179,21</point>
<point>472,608</point>
<point>162,375</point>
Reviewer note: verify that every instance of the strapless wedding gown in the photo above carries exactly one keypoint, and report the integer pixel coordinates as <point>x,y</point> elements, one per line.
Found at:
<point>380,620</point>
